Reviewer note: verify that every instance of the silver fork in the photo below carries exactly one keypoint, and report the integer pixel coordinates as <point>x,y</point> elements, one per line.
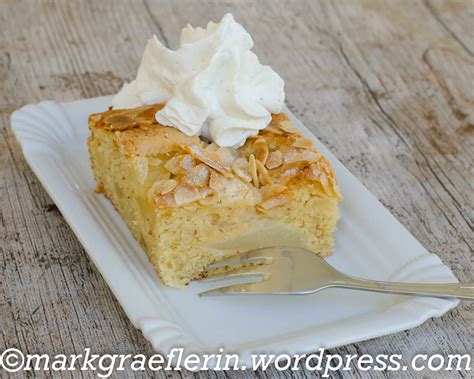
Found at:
<point>296,271</point>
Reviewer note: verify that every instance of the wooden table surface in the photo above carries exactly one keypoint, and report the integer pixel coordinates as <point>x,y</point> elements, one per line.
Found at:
<point>387,86</point>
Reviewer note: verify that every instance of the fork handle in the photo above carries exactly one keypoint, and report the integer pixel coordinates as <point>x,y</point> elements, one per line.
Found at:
<point>463,291</point>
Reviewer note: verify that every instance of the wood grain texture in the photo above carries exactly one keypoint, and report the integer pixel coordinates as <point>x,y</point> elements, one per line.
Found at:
<point>388,86</point>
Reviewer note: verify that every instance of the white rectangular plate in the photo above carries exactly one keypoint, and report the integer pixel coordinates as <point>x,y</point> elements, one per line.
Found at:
<point>371,243</point>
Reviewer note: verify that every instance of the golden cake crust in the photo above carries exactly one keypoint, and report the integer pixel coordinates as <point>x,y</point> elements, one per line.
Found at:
<point>262,172</point>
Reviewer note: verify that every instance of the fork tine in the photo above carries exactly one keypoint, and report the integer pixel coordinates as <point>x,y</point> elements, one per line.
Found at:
<point>253,256</point>
<point>242,272</point>
<point>249,287</point>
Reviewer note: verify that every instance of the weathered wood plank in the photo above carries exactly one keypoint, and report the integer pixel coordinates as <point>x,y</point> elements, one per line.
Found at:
<point>386,85</point>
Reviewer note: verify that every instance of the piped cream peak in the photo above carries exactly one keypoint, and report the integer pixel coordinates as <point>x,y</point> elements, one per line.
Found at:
<point>213,85</point>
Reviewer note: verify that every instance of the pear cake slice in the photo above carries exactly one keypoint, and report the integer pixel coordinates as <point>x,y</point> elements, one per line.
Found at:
<point>190,202</point>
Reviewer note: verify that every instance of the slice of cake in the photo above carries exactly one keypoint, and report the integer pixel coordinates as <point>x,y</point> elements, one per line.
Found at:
<point>200,162</point>
<point>190,202</point>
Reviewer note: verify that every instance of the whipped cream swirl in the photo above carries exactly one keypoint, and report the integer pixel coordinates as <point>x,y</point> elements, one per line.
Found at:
<point>213,85</point>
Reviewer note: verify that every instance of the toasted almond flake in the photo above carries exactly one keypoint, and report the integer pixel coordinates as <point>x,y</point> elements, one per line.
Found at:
<point>198,176</point>
<point>233,191</point>
<point>273,202</point>
<point>303,143</point>
<point>324,162</point>
<point>287,126</point>
<point>217,182</point>
<point>209,158</point>
<point>167,186</point>
<point>262,154</point>
<point>264,177</point>
<point>272,190</point>
<point>323,179</point>
<point>180,164</point>
<point>253,196</point>
<point>290,172</point>
<point>187,163</point>
<point>261,150</point>
<point>226,156</point>
<point>161,187</point>
<point>210,200</point>
<point>120,121</point>
<point>253,170</point>
<point>273,129</point>
<point>118,118</point>
<point>312,172</point>
<point>296,155</point>
<point>228,191</point>
<point>274,160</point>
<point>322,173</point>
<point>184,194</point>
<point>165,201</point>
<point>241,168</point>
